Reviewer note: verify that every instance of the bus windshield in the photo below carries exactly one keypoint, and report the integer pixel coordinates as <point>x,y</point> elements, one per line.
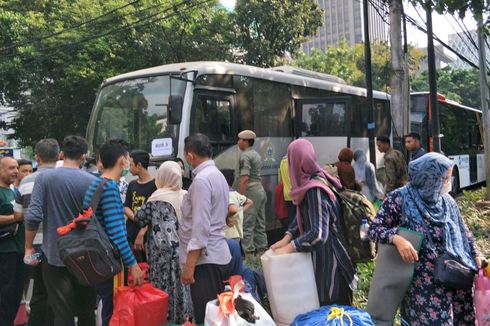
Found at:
<point>135,110</point>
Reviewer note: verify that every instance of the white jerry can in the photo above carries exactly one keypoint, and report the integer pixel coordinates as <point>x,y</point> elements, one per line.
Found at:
<point>291,285</point>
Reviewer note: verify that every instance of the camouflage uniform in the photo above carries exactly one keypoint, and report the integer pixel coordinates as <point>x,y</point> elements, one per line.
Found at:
<point>395,169</point>
<point>254,234</point>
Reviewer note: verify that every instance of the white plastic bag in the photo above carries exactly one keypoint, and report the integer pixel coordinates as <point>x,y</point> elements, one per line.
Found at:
<point>214,317</point>
<point>98,314</point>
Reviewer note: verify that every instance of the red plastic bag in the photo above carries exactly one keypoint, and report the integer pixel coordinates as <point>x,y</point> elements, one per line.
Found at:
<point>138,306</point>
<point>21,317</point>
<point>279,202</point>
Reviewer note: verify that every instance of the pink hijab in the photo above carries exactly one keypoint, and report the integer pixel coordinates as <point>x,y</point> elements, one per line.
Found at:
<point>303,167</point>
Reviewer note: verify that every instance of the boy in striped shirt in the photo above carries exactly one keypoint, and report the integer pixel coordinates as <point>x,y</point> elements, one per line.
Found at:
<point>115,159</point>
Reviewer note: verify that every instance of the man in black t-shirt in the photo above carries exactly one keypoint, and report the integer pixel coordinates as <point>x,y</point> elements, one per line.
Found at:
<point>139,191</point>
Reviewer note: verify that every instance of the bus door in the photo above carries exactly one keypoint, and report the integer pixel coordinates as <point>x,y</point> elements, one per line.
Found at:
<point>326,123</point>
<point>212,115</point>
<point>473,142</point>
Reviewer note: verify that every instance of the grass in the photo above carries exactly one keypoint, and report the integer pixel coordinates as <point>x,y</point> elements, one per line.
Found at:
<point>477,220</point>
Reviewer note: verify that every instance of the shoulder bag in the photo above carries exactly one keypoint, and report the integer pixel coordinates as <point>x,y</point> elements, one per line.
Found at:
<point>450,271</point>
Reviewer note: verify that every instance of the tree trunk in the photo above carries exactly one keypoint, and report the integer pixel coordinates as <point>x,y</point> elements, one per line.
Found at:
<point>484,100</point>
<point>399,77</point>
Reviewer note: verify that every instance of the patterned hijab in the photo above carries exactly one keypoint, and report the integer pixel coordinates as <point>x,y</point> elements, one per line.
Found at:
<point>423,202</point>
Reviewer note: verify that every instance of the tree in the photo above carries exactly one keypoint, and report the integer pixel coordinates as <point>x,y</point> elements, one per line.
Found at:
<point>460,85</point>
<point>54,55</point>
<point>461,7</point>
<point>399,74</point>
<point>340,61</point>
<point>347,62</point>
<point>267,30</point>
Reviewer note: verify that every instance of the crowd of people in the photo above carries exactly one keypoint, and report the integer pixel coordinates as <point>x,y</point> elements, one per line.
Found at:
<point>194,232</point>
<point>164,221</point>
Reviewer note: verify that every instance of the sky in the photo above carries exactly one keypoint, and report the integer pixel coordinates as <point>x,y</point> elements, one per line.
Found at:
<point>442,25</point>
<point>228,4</point>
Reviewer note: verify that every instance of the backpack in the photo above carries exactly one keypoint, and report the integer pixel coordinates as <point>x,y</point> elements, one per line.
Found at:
<point>355,207</point>
<point>85,248</point>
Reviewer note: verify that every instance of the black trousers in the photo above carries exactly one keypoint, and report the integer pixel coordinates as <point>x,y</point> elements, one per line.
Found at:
<point>105,291</point>
<point>208,284</point>
<point>41,313</point>
<point>67,297</point>
<point>12,274</point>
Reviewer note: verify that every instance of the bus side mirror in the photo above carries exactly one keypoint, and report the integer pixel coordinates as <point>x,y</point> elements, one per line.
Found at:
<point>174,109</point>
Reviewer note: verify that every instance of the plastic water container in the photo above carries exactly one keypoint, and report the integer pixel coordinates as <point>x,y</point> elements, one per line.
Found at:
<point>291,285</point>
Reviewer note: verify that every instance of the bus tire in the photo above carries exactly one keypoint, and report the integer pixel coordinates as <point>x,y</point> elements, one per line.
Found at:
<point>455,186</point>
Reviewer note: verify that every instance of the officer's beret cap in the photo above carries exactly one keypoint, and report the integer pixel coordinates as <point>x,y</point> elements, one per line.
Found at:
<point>247,135</point>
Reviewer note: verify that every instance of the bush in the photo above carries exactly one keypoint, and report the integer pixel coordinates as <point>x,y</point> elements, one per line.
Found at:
<point>365,274</point>
<point>477,219</point>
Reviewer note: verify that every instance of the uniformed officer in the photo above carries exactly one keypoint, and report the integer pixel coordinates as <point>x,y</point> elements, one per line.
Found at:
<point>250,165</point>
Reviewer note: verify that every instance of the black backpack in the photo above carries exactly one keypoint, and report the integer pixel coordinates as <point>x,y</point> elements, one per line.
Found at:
<point>85,248</point>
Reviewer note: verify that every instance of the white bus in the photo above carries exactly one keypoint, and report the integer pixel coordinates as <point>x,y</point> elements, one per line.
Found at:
<point>220,99</point>
<point>461,136</point>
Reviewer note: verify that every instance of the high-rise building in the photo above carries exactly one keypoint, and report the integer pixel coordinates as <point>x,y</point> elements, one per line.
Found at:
<point>343,19</point>
<point>464,45</point>
<point>442,58</point>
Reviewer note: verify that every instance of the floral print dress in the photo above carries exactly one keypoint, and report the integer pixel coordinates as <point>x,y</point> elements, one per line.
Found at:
<point>162,250</point>
<point>425,303</point>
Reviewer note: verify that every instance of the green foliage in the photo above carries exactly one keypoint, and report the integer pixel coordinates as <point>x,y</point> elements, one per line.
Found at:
<point>477,219</point>
<point>461,7</point>
<point>477,8</point>
<point>55,54</point>
<point>339,61</point>
<point>347,62</point>
<point>268,29</point>
<point>365,274</point>
<point>459,85</point>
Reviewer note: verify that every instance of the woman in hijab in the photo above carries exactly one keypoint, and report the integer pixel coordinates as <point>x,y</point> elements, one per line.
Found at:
<point>317,225</point>
<point>366,177</point>
<point>161,213</point>
<point>429,209</point>
<point>345,170</point>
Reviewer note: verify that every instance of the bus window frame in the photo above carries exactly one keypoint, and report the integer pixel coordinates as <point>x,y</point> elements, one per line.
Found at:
<point>298,114</point>
<point>219,96</point>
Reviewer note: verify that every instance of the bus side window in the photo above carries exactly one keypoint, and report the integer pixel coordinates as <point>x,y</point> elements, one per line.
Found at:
<point>382,117</point>
<point>263,106</point>
<point>212,117</point>
<point>322,118</point>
